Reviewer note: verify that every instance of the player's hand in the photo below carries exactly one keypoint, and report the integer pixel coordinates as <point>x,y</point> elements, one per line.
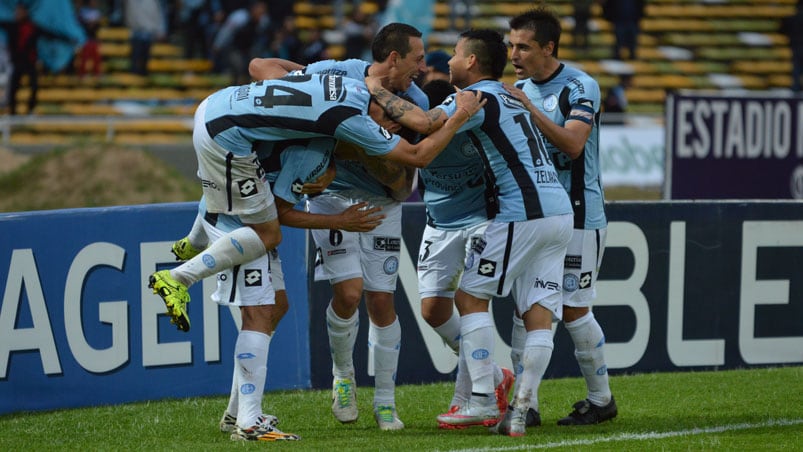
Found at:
<point>518,94</point>
<point>360,218</point>
<point>471,101</point>
<point>320,183</point>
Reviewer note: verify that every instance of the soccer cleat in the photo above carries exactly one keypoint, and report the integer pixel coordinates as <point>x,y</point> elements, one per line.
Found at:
<point>503,389</point>
<point>586,413</point>
<point>344,400</point>
<point>263,430</point>
<point>228,423</point>
<point>471,414</point>
<point>452,409</point>
<point>183,250</point>
<point>533,418</point>
<point>175,296</point>
<point>387,418</point>
<point>513,424</point>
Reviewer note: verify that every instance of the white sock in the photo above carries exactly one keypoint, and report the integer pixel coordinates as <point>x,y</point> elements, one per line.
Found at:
<point>462,384</point>
<point>234,399</point>
<point>537,352</point>
<point>477,332</point>
<point>342,336</point>
<point>518,336</point>
<point>450,331</point>
<point>589,341</point>
<point>197,236</point>
<point>250,360</point>
<point>386,342</point>
<point>234,248</point>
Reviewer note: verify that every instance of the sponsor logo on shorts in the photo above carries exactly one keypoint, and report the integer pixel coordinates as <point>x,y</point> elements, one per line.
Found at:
<point>208,260</point>
<point>209,184</point>
<point>247,388</point>
<point>297,186</point>
<point>336,252</point>
<point>247,187</point>
<point>391,265</point>
<point>549,285</point>
<point>585,280</point>
<point>222,277</point>
<point>480,353</point>
<point>486,268</point>
<point>387,244</point>
<point>570,282</point>
<point>573,261</point>
<point>477,244</point>
<point>318,257</point>
<point>252,277</point>
<point>469,261</point>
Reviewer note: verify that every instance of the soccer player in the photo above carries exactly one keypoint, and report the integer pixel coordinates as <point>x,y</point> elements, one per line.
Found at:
<point>523,247</point>
<point>231,121</point>
<point>460,199</point>
<point>366,263</point>
<point>565,106</point>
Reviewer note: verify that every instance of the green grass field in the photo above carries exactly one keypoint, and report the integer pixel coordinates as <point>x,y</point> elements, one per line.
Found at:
<point>756,409</point>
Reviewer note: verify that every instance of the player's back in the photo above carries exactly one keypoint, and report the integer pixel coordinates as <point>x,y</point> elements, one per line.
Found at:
<point>297,106</point>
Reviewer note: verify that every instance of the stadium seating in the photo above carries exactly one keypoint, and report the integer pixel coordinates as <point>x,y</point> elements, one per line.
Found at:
<point>684,44</point>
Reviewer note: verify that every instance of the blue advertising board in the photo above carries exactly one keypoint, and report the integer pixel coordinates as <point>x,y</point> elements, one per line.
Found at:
<point>79,326</point>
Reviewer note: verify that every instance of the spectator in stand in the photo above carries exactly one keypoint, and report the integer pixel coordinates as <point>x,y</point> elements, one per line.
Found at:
<point>243,36</point>
<point>359,29</point>
<point>90,17</point>
<point>286,42</point>
<point>616,100</point>
<point>792,27</point>
<point>315,48</point>
<point>196,21</point>
<point>582,14</point>
<point>146,20</point>
<point>22,34</point>
<point>625,16</point>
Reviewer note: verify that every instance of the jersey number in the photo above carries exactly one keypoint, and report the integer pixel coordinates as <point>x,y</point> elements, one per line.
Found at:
<point>283,95</point>
<point>539,153</point>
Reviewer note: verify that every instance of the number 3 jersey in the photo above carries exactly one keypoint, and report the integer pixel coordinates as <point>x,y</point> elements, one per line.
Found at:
<point>572,95</point>
<point>297,106</point>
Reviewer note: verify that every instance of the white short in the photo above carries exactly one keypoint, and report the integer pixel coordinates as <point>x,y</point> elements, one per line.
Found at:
<point>581,267</point>
<point>442,258</point>
<point>525,256</point>
<point>232,185</point>
<point>250,284</point>
<point>372,256</point>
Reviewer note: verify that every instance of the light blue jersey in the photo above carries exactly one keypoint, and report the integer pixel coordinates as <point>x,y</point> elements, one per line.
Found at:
<point>572,95</point>
<point>352,174</point>
<point>291,164</point>
<point>456,195</point>
<point>301,106</point>
<point>527,183</point>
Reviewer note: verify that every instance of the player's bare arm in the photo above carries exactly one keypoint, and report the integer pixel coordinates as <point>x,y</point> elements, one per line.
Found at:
<point>570,138</point>
<point>422,153</point>
<point>357,218</point>
<point>404,112</point>
<point>320,184</point>
<point>270,68</point>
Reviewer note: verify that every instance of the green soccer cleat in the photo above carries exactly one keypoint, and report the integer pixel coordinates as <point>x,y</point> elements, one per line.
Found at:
<point>175,296</point>
<point>344,400</point>
<point>387,418</point>
<point>183,250</point>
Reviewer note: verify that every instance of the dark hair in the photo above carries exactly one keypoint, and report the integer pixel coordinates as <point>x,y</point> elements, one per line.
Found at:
<point>437,91</point>
<point>544,24</point>
<point>394,36</point>
<point>489,48</point>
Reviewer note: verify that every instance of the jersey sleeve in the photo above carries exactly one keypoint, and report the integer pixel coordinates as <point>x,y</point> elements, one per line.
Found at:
<point>366,133</point>
<point>584,98</point>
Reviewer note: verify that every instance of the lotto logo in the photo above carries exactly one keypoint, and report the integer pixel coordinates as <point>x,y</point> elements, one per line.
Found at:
<point>248,187</point>
<point>387,243</point>
<point>585,280</point>
<point>252,277</point>
<point>486,268</point>
<point>297,186</point>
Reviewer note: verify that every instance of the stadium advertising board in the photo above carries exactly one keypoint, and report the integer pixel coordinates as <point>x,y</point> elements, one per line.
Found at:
<point>684,285</point>
<point>734,146</point>
<point>79,326</point>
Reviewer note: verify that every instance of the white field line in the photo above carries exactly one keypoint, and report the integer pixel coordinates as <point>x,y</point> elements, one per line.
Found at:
<point>641,436</point>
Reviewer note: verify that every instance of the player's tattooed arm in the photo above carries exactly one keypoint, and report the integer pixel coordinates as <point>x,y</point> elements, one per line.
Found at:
<point>407,113</point>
